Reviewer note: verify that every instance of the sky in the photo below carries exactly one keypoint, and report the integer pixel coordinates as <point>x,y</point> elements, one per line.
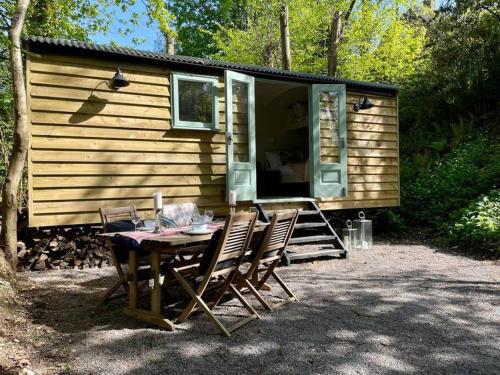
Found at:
<point>149,36</point>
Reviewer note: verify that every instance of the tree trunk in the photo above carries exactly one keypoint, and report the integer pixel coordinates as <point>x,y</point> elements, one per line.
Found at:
<point>339,19</point>
<point>286,55</point>
<point>334,42</point>
<point>170,44</point>
<point>10,193</point>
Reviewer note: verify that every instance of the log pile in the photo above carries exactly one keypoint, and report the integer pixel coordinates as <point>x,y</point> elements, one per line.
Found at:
<point>61,248</point>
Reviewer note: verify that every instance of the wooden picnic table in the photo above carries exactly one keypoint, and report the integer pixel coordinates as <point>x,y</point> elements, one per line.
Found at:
<point>168,244</point>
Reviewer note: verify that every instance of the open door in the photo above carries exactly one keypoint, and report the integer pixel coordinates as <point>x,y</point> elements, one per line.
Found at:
<point>240,135</point>
<point>327,140</point>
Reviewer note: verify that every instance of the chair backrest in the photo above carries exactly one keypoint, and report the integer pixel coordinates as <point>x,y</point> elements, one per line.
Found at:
<point>180,214</point>
<point>233,243</point>
<point>276,239</point>
<point>108,215</point>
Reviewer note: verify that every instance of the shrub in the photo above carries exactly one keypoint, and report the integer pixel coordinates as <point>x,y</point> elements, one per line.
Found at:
<point>450,184</point>
<point>479,223</point>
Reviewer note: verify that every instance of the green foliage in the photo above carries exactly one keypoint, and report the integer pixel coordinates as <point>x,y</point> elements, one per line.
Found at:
<point>469,170</point>
<point>478,224</point>
<point>379,43</point>
<point>458,84</point>
<point>197,20</point>
<point>382,45</point>
<point>258,42</point>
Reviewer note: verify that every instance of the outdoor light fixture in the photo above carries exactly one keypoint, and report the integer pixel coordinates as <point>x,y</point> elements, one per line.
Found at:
<point>367,104</point>
<point>119,80</point>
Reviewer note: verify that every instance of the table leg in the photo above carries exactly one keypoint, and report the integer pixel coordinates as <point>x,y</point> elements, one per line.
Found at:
<point>132,270</point>
<point>156,292</point>
<point>152,316</point>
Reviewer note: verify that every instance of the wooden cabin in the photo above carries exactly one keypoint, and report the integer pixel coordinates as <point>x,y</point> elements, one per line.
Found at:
<point>196,128</point>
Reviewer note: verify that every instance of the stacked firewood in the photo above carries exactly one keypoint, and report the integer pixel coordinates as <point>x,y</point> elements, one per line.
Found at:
<point>61,248</point>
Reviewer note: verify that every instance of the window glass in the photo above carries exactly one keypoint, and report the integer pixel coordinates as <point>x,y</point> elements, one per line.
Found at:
<point>329,127</point>
<point>240,120</point>
<point>195,101</point>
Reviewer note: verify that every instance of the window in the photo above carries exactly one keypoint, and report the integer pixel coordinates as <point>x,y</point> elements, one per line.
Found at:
<point>195,102</point>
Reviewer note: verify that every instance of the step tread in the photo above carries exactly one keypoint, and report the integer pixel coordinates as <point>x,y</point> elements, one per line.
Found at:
<point>301,212</point>
<point>310,225</point>
<point>309,212</point>
<point>283,200</point>
<point>307,239</point>
<point>304,254</point>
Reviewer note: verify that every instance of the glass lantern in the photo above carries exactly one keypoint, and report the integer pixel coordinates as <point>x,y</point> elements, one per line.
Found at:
<point>364,228</point>
<point>350,237</point>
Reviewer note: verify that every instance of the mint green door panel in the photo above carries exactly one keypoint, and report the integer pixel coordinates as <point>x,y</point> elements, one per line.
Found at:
<point>327,140</point>
<point>241,157</point>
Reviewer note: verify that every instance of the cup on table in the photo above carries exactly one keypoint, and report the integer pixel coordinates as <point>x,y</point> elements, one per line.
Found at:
<point>209,216</point>
<point>198,223</point>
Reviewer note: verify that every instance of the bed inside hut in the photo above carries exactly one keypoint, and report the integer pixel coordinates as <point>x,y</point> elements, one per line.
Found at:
<point>282,146</point>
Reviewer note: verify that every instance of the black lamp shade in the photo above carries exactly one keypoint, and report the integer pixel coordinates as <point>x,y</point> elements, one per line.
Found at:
<point>366,104</point>
<point>119,80</point>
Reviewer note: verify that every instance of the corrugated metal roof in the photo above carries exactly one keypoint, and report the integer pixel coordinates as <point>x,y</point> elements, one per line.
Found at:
<point>39,43</point>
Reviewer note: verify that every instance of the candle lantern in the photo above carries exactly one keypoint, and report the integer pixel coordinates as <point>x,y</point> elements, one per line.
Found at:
<point>158,207</point>
<point>364,228</point>
<point>232,201</point>
<point>350,236</point>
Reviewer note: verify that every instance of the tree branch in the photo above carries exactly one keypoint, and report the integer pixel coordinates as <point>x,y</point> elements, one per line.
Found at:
<point>488,9</point>
<point>349,11</point>
<point>5,20</point>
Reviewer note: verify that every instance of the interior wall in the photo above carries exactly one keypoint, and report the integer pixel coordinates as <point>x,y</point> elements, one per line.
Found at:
<point>275,119</point>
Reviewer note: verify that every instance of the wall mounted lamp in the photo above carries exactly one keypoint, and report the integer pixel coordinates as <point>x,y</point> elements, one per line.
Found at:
<point>119,80</point>
<point>359,106</point>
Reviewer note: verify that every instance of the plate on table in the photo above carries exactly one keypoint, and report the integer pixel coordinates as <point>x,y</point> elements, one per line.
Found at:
<point>197,232</point>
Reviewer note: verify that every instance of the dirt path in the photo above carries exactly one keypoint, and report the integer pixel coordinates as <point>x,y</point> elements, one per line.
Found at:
<point>399,308</point>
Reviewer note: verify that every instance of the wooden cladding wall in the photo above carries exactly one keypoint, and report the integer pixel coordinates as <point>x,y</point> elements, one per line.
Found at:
<point>372,156</point>
<point>94,147</point>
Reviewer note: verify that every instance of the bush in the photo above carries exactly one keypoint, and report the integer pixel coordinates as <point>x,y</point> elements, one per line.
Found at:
<point>479,223</point>
<point>450,184</point>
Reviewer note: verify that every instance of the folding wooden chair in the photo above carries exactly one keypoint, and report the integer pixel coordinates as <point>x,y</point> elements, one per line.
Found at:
<point>120,255</point>
<point>222,268</point>
<point>268,255</point>
<point>109,215</point>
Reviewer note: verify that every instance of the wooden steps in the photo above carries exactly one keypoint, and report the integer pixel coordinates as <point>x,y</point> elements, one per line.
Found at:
<point>311,239</point>
<point>312,252</point>
<point>312,232</point>
<point>309,225</point>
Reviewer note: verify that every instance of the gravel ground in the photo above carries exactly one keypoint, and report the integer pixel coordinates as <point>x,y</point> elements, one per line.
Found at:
<point>398,308</point>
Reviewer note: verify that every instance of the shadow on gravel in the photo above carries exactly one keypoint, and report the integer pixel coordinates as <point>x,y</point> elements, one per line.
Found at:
<point>428,237</point>
<point>411,322</point>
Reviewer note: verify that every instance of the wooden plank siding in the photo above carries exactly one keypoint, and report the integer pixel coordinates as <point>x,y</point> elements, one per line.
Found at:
<point>372,156</point>
<point>93,147</point>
